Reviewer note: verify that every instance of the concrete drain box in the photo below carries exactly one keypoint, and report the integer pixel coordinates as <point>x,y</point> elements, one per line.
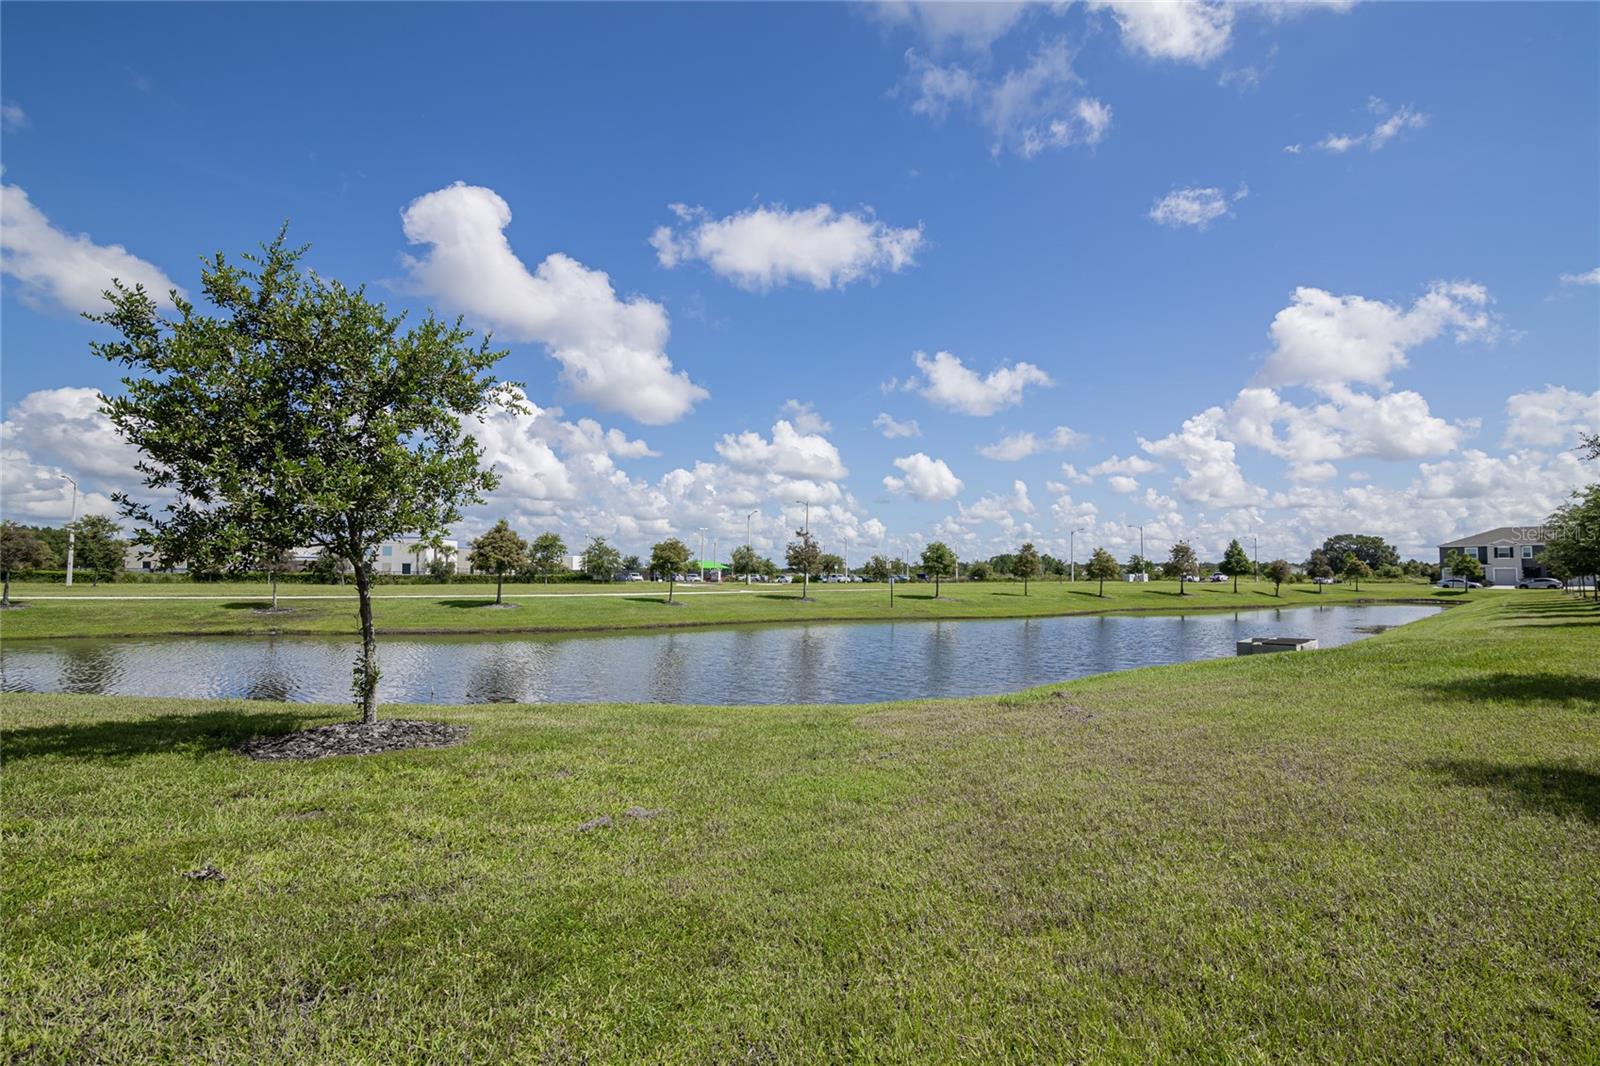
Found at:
<point>1262,645</point>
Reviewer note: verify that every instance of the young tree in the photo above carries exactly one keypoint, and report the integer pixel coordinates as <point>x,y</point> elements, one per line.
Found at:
<point>1102,568</point>
<point>1279,571</point>
<point>669,557</point>
<point>298,413</point>
<point>1138,564</point>
<point>744,561</point>
<point>983,571</point>
<point>1182,564</point>
<point>804,555</point>
<point>940,561</point>
<point>548,555</point>
<point>20,549</point>
<point>1466,567</point>
<point>1025,564</point>
<point>600,560</point>
<point>440,568</point>
<point>877,569</point>
<point>1356,568</point>
<point>1235,563</point>
<point>831,564</point>
<point>1320,570</point>
<point>99,547</point>
<point>275,563</point>
<point>1573,548</point>
<point>499,551</point>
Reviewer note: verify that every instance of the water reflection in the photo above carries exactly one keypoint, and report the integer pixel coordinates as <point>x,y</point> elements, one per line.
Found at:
<point>843,663</point>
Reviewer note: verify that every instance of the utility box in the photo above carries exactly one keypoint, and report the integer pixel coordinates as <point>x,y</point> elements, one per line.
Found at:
<point>1262,645</point>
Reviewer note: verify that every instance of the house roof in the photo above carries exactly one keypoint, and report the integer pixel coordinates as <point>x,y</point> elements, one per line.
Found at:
<point>1515,534</point>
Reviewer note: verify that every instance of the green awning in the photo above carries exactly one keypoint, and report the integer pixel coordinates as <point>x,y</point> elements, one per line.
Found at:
<point>704,565</point>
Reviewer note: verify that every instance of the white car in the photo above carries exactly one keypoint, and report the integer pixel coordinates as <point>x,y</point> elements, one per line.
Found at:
<point>784,579</point>
<point>1459,582</point>
<point>1539,583</point>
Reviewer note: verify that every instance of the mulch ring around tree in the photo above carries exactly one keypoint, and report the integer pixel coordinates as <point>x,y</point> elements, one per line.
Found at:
<point>354,738</point>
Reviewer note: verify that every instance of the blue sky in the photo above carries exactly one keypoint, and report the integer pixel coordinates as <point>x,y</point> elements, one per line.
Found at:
<point>1269,270</point>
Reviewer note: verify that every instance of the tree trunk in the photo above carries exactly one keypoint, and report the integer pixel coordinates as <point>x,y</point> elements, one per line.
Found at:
<point>5,597</point>
<point>367,666</point>
<point>1024,586</point>
<point>670,585</point>
<point>935,586</point>
<point>273,577</point>
<point>1102,588</point>
<point>805,585</point>
<point>499,583</point>
<point>1235,584</point>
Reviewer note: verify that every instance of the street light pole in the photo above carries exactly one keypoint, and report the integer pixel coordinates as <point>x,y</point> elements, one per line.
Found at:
<point>1072,554</point>
<point>1255,550</point>
<point>1143,562</point>
<point>700,563</point>
<point>72,528</point>
<point>749,550</point>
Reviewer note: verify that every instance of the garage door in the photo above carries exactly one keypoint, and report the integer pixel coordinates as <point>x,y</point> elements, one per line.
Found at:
<point>1504,575</point>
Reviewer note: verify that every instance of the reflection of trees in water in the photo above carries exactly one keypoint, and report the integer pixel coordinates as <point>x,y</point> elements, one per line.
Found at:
<point>939,650</point>
<point>502,673</point>
<point>669,668</point>
<point>270,677</point>
<point>89,667</point>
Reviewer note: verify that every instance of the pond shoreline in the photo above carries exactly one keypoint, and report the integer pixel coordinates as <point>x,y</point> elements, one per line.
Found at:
<point>647,627</point>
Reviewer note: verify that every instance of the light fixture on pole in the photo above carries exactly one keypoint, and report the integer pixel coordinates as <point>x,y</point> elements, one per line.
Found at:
<point>1255,550</point>
<point>1072,554</point>
<point>700,563</point>
<point>749,550</point>
<point>72,528</point>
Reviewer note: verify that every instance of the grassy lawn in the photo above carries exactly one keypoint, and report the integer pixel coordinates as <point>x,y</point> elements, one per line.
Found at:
<point>1388,852</point>
<point>141,610</point>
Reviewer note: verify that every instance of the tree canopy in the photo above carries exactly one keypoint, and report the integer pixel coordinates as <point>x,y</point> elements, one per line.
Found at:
<point>1026,565</point>
<point>669,557</point>
<point>1103,567</point>
<point>20,549</point>
<point>1235,563</point>
<point>547,556</point>
<point>1376,552</point>
<point>500,551</point>
<point>939,562</point>
<point>804,556</point>
<point>300,412</point>
<point>1181,564</point>
<point>600,560</point>
<point>1573,545</point>
<point>1279,571</point>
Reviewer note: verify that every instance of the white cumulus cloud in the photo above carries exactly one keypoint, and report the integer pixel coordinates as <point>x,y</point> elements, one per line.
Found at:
<point>892,427</point>
<point>1184,30</point>
<point>768,246</point>
<point>1321,339</point>
<point>612,351</point>
<point>923,478</point>
<point>1588,277</point>
<point>947,382</point>
<point>790,453</point>
<point>1021,445</point>
<point>1191,207</point>
<point>1552,417</point>
<point>69,270</point>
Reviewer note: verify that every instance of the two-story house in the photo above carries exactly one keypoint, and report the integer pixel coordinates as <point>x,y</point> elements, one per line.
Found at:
<point>1508,554</point>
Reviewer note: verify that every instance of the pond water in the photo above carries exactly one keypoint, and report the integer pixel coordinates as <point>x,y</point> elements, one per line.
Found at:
<point>821,663</point>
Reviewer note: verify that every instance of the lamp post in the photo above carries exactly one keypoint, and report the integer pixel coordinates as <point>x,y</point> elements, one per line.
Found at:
<point>749,549</point>
<point>1072,554</point>
<point>1255,551</point>
<point>72,528</point>
<point>700,563</point>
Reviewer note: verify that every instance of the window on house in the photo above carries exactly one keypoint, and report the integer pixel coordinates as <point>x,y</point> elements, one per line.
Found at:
<point>388,549</point>
<point>1502,552</point>
<point>1527,551</point>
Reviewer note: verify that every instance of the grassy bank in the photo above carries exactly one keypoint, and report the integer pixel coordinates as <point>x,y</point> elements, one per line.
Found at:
<point>146,610</point>
<point>1388,852</point>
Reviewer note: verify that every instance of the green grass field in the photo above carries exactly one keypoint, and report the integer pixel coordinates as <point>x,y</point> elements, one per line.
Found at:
<point>1387,852</point>
<point>143,610</point>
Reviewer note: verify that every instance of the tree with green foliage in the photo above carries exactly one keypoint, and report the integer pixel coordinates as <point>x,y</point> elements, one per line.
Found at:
<point>1465,566</point>
<point>1355,568</point>
<point>831,564</point>
<point>1235,563</point>
<point>669,557</point>
<point>980,571</point>
<point>744,561</point>
<point>1138,564</point>
<point>1318,567</point>
<point>632,564</point>
<point>804,556</point>
<point>547,556</point>
<point>600,560</point>
<point>1279,571</point>
<point>1374,551</point>
<point>1026,565</point>
<point>1182,564</point>
<point>939,562</point>
<point>500,551</point>
<point>877,569</point>
<point>440,567</point>
<point>20,549</point>
<point>1102,567</point>
<point>100,549</point>
<point>294,410</point>
<point>1572,548</point>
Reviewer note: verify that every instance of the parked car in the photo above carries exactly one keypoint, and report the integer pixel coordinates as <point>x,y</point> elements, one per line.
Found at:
<point>1539,583</point>
<point>784,579</point>
<point>1325,580</point>
<point>1218,577</point>
<point>1191,577</point>
<point>633,575</point>
<point>1459,583</point>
